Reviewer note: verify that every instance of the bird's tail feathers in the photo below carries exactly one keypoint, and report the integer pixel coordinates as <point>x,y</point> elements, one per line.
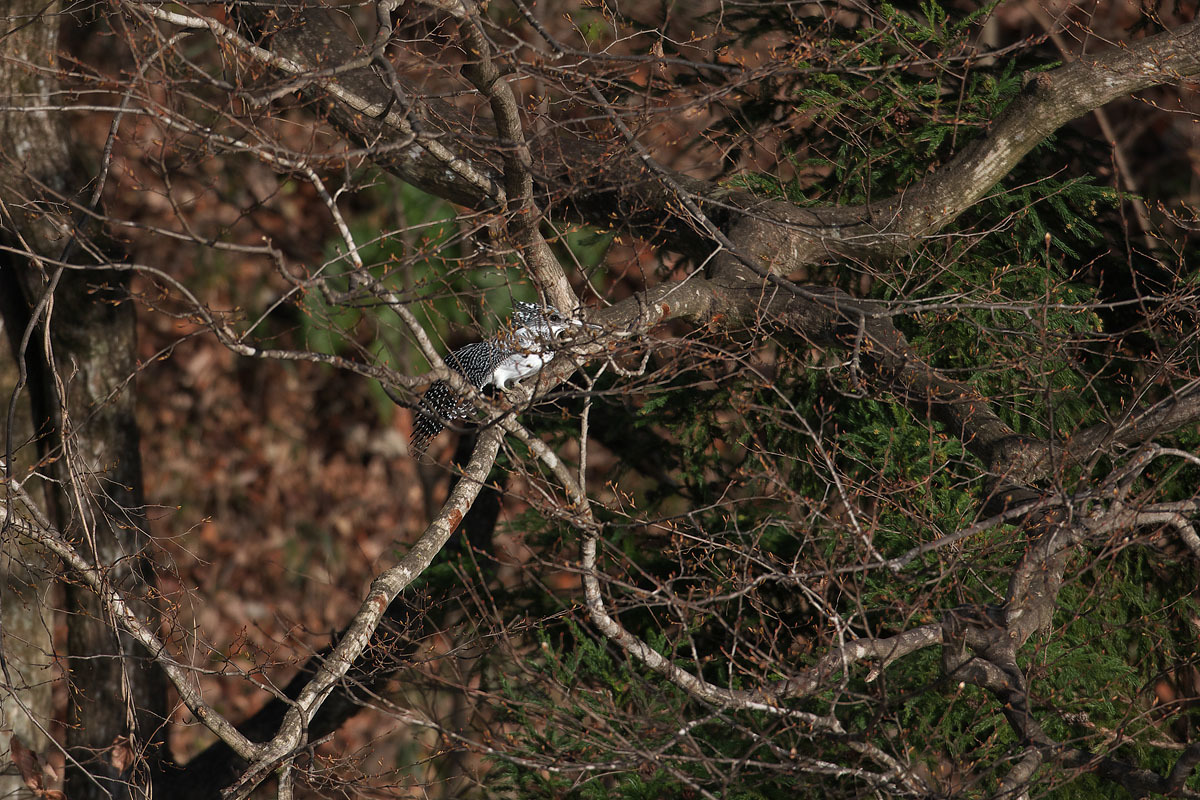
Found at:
<point>437,408</point>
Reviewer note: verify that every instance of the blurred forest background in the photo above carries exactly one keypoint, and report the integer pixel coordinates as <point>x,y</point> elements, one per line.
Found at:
<point>900,502</point>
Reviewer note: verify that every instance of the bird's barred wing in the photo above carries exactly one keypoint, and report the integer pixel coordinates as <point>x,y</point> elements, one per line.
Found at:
<point>439,406</point>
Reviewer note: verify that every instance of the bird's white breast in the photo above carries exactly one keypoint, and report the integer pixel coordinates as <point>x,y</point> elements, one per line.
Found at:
<point>517,366</point>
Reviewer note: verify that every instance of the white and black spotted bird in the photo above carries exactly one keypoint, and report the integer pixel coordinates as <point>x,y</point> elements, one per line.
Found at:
<point>521,349</point>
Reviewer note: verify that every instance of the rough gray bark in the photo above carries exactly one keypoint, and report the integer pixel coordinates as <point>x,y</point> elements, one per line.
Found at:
<point>84,407</point>
<point>26,586</point>
<point>26,706</point>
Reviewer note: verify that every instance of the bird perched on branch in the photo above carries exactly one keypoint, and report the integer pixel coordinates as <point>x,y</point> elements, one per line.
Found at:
<point>521,349</point>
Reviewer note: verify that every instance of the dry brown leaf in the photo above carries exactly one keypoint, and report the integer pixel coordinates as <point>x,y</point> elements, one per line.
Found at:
<point>121,753</point>
<point>27,763</point>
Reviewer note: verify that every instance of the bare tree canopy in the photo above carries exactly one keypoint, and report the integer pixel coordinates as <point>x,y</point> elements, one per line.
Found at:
<point>815,407</point>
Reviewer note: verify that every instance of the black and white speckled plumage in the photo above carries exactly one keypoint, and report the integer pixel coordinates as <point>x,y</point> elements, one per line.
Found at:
<point>521,349</point>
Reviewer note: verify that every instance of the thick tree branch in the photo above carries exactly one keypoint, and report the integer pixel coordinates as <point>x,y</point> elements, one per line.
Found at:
<point>778,235</point>
<point>525,216</point>
<point>1138,424</point>
<point>785,238</point>
<point>828,317</point>
<point>880,651</point>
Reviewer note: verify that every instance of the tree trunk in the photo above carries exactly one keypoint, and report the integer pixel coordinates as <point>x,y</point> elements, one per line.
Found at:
<point>26,704</point>
<point>81,394</point>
